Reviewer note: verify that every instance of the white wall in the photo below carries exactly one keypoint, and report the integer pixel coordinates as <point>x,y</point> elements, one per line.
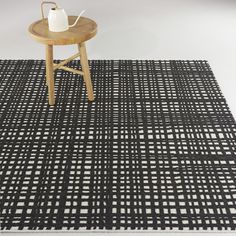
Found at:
<point>138,29</point>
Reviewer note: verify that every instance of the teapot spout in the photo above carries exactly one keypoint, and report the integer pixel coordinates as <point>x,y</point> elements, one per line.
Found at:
<point>76,21</point>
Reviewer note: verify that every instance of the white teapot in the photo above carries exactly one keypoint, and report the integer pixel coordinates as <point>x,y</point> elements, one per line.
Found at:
<point>57,18</point>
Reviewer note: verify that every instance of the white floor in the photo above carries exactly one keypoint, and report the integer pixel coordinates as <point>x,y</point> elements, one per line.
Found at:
<point>138,29</point>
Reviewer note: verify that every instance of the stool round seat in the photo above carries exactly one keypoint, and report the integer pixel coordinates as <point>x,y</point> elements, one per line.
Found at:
<point>84,30</point>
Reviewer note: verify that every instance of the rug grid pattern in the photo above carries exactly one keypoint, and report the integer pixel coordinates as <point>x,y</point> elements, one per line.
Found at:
<point>155,150</point>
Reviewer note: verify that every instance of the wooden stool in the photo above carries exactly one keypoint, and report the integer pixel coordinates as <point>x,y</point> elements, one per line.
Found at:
<point>83,31</point>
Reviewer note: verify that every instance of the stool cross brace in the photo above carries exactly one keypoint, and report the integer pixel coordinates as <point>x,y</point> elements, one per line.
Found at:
<point>51,67</point>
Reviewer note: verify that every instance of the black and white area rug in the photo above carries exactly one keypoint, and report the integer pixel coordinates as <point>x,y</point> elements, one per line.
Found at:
<point>156,150</point>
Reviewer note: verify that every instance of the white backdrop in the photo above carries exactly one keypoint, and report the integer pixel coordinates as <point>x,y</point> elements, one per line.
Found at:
<point>137,29</point>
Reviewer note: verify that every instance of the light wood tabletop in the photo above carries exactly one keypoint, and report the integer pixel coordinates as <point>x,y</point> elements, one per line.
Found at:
<point>84,30</point>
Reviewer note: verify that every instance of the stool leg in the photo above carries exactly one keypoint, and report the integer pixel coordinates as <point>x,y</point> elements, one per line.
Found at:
<point>49,74</point>
<point>85,68</point>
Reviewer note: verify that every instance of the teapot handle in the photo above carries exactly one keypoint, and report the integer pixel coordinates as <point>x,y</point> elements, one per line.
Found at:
<point>46,3</point>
